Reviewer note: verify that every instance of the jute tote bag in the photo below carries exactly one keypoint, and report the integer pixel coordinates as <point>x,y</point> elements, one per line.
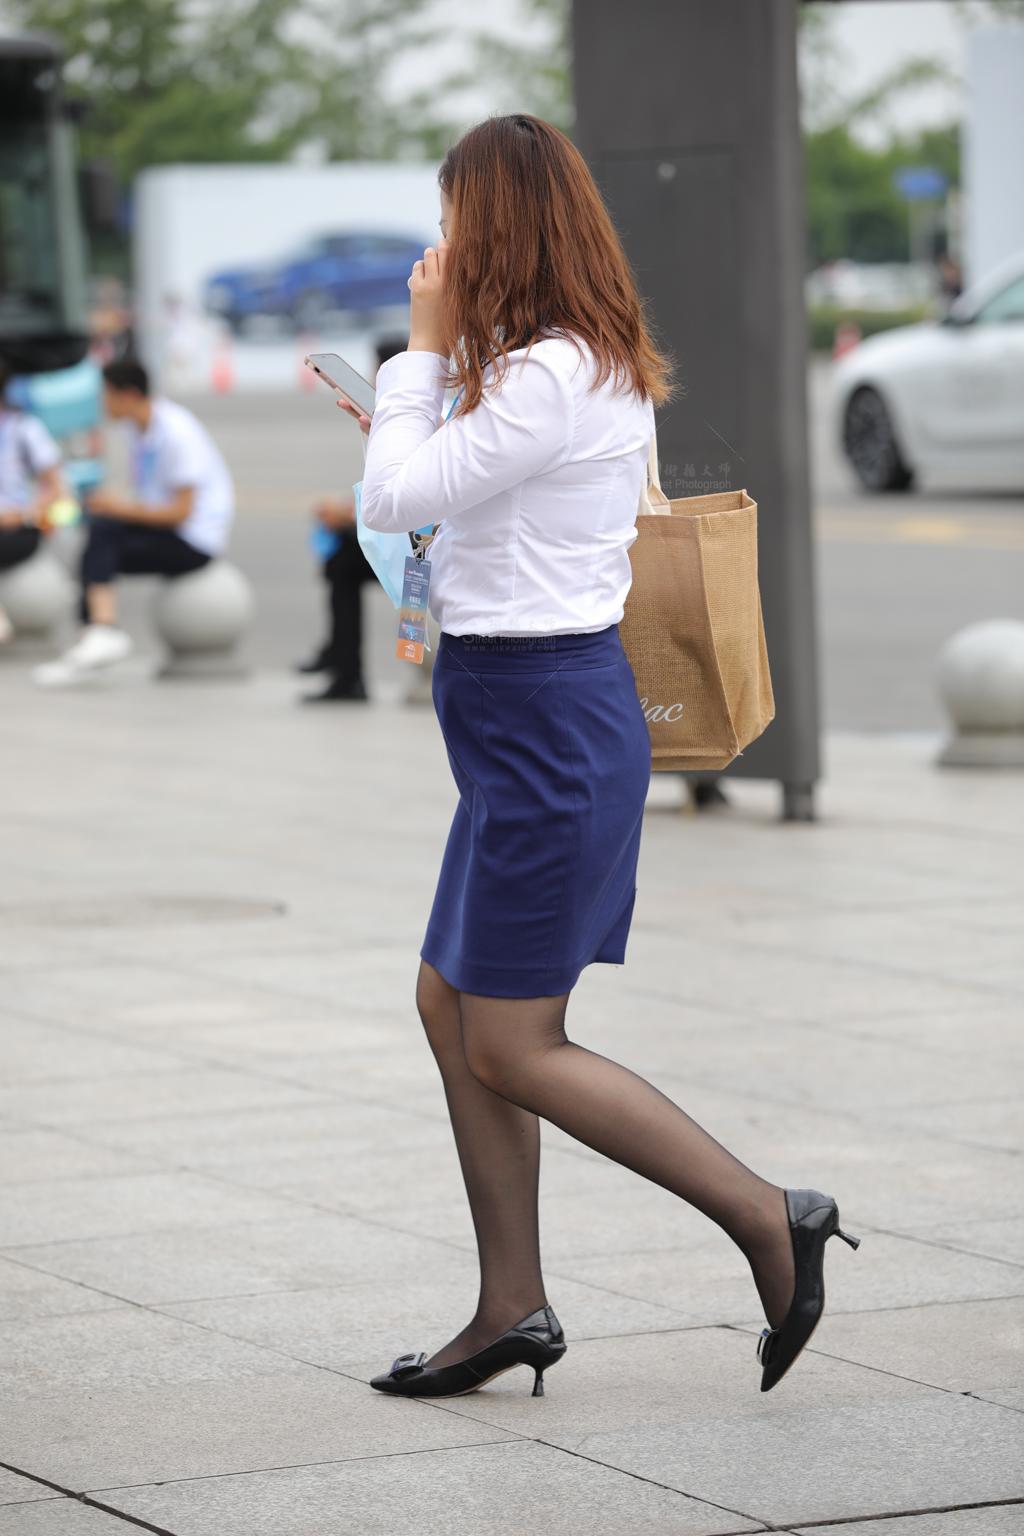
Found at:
<point>692,626</point>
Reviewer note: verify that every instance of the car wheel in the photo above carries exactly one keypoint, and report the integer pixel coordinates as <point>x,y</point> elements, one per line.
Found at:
<point>869,439</point>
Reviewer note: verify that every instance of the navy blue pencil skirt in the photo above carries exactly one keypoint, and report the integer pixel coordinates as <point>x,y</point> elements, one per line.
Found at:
<point>551,755</point>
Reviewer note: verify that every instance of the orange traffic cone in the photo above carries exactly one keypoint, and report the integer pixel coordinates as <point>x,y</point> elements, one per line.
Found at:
<point>222,371</point>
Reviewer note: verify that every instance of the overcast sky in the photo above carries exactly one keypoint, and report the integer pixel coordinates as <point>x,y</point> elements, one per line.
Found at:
<point>872,37</point>
<point>877,35</point>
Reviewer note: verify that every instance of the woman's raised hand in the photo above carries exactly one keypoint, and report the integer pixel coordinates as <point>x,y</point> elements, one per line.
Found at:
<point>426,287</point>
<point>351,410</point>
<point>426,325</point>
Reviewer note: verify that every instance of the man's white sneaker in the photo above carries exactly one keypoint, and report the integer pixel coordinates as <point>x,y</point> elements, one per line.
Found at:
<point>100,645</point>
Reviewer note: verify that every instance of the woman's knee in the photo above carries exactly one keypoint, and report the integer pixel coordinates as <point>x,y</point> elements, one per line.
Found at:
<point>508,1060</point>
<point>437,1003</point>
<point>492,1063</point>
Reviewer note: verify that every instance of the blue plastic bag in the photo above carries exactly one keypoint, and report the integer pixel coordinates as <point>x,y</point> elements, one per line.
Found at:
<point>386,552</point>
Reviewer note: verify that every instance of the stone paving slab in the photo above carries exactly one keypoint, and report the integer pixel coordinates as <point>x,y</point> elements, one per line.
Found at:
<point>441,1493</point>
<point>197,1090</point>
<point>619,1218</point>
<point>710,1279</point>
<point>881,1175</point>
<point>370,979</point>
<point>995,1520</point>
<point>882,1077</point>
<point>60,1517</point>
<point>125,996</point>
<point>21,1490</point>
<point>25,1292</point>
<point>118,1434</point>
<point>984,1121</point>
<point>31,1156</point>
<point>44,1053</point>
<point>1001,1237</point>
<point>390,1317</point>
<point>126,1346</point>
<point>36,945</point>
<point>294,1033</point>
<point>246,1128</point>
<point>839,1461</point>
<point>217,1142</point>
<point>306,1252</point>
<point>658,1381</point>
<point>990,1029</point>
<point>384,1185</point>
<point>773,986</point>
<point>60,1210</point>
<point>971,955</point>
<point>960,1346</point>
<point>1010,1397</point>
<point>883,1178</point>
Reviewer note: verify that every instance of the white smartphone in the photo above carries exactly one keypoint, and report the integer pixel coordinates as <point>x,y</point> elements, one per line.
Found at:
<point>344,380</point>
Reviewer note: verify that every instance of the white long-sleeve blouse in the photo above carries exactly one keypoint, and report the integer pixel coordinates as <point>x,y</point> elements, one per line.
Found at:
<point>536,490</point>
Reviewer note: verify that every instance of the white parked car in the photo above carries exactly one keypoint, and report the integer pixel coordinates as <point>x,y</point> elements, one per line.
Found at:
<point>944,397</point>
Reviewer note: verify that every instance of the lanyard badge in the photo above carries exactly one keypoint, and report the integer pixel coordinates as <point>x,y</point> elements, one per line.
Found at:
<point>412,616</point>
<point>145,459</point>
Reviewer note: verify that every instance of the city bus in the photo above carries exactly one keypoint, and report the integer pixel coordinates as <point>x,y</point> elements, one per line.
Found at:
<point>44,198</point>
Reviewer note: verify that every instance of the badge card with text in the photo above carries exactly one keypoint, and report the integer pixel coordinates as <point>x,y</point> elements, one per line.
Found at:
<point>412,616</point>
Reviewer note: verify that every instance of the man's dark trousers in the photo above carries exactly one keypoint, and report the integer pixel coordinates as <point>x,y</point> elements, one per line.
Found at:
<point>346,571</point>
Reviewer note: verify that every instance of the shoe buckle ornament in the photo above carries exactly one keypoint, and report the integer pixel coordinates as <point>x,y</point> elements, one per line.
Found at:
<point>765,1343</point>
<point>407,1365</point>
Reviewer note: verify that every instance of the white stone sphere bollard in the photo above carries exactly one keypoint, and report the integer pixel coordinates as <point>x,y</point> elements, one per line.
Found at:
<point>36,594</point>
<point>201,617</point>
<point>981,682</point>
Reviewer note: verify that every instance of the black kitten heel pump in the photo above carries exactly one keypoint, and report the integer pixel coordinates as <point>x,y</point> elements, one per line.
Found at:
<point>813,1219</point>
<point>537,1341</point>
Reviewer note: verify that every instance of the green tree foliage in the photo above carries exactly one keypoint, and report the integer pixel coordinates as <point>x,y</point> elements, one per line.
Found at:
<point>533,72</point>
<point>168,81</point>
<point>853,208</point>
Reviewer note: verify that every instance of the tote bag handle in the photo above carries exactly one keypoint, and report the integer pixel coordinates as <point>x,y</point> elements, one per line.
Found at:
<point>653,501</point>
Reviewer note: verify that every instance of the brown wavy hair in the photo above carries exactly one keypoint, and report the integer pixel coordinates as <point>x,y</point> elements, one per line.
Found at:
<point>532,248</point>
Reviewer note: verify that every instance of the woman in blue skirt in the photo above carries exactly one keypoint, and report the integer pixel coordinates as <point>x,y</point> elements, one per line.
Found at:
<point>528,308</point>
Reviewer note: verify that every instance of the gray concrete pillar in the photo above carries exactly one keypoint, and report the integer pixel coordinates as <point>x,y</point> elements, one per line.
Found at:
<point>688,116</point>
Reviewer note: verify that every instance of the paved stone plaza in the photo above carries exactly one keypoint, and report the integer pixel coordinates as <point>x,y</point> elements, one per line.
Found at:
<point>229,1194</point>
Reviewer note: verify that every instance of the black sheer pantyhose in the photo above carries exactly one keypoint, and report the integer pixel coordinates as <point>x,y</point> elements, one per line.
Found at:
<point>499,1152</point>
<point>507,1060</point>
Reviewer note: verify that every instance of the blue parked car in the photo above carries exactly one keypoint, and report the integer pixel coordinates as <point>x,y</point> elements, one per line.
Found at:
<point>357,271</point>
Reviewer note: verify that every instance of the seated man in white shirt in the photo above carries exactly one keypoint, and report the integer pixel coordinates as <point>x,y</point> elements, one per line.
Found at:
<point>30,483</point>
<point>176,520</point>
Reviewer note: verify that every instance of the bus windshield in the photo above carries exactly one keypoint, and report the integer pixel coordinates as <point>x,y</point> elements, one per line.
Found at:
<point>42,253</point>
<point>30,288</point>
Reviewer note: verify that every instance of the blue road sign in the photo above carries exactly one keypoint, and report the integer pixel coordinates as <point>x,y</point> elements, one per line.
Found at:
<point>919,183</point>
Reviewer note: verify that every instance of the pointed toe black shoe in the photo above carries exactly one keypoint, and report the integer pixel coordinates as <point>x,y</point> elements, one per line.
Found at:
<point>813,1219</point>
<point>537,1341</point>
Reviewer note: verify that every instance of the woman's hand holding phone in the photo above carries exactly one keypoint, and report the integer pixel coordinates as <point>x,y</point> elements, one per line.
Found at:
<point>354,412</point>
<point>426,287</point>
